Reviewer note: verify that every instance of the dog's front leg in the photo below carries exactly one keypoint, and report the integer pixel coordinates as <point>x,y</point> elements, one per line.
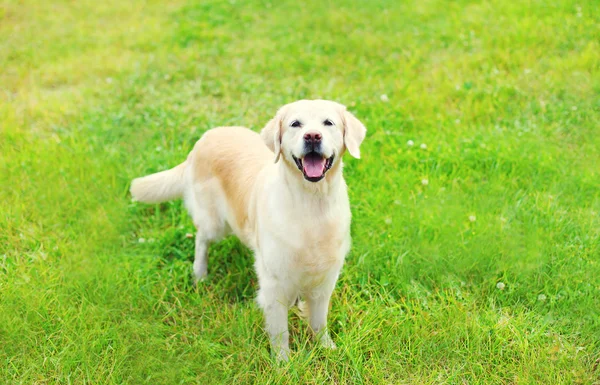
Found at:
<point>275,303</point>
<point>318,307</point>
<point>276,316</point>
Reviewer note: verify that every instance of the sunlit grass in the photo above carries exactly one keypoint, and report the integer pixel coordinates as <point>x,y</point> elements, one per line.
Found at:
<point>475,257</point>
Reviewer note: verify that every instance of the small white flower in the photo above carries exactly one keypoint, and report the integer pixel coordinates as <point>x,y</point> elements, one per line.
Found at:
<point>423,146</point>
<point>472,218</point>
<point>410,143</point>
<point>188,235</point>
<point>558,297</point>
<point>541,297</point>
<point>457,121</point>
<point>109,80</point>
<point>388,221</point>
<point>574,108</point>
<point>527,71</point>
<point>424,182</point>
<point>500,286</point>
<point>457,87</point>
<point>158,148</point>
<point>384,98</point>
<point>141,240</point>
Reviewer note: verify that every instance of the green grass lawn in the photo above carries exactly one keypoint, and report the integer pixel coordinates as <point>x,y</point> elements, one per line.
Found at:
<point>476,253</point>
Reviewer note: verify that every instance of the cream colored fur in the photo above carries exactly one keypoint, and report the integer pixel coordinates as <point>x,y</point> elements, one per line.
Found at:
<point>237,181</point>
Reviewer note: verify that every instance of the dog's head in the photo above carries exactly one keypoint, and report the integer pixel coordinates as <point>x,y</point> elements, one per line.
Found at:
<point>312,135</point>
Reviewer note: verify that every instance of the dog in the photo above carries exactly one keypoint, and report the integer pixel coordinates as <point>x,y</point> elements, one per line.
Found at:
<point>283,195</point>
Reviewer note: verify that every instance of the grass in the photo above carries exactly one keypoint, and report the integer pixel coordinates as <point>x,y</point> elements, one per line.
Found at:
<point>475,260</point>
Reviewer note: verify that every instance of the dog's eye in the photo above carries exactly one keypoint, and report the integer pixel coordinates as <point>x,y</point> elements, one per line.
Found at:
<point>328,122</point>
<point>296,123</point>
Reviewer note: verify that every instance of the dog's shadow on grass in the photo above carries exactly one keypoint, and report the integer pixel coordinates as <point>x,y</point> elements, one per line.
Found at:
<point>231,275</point>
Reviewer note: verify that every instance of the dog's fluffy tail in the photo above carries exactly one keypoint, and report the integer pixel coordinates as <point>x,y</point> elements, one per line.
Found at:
<point>160,187</point>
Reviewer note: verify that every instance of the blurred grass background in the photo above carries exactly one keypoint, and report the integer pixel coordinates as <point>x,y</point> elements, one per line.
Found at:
<point>476,250</point>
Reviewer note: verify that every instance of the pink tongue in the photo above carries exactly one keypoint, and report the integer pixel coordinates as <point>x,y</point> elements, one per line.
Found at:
<point>314,165</point>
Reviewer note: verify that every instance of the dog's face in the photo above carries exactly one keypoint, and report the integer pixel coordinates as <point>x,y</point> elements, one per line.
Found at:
<point>312,136</point>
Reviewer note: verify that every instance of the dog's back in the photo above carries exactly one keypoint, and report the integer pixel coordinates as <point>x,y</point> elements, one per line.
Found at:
<point>234,156</point>
<point>230,156</point>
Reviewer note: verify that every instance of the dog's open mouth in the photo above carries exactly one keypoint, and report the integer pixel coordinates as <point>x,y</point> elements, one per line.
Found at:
<point>314,166</point>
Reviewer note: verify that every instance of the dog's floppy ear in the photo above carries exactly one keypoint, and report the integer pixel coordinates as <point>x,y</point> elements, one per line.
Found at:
<point>272,132</point>
<point>354,133</point>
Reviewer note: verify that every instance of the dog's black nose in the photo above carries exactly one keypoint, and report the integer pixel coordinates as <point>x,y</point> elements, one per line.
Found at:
<point>312,137</point>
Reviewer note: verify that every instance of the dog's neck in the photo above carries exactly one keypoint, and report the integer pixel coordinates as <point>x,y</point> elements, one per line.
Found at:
<point>324,188</point>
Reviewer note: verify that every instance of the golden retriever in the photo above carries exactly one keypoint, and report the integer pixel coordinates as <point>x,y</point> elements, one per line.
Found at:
<point>282,194</point>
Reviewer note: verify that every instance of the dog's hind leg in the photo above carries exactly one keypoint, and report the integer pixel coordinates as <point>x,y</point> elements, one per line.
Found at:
<point>200,266</point>
<point>210,227</point>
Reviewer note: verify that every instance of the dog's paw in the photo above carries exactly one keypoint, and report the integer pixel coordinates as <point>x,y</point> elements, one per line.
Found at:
<point>282,356</point>
<point>198,279</point>
<point>200,273</point>
<point>327,342</point>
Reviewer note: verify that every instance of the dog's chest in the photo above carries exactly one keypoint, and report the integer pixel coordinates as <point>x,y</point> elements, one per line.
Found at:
<point>321,245</point>
<point>305,235</point>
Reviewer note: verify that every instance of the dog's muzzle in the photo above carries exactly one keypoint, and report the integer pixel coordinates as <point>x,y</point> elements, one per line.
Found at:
<point>314,165</point>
